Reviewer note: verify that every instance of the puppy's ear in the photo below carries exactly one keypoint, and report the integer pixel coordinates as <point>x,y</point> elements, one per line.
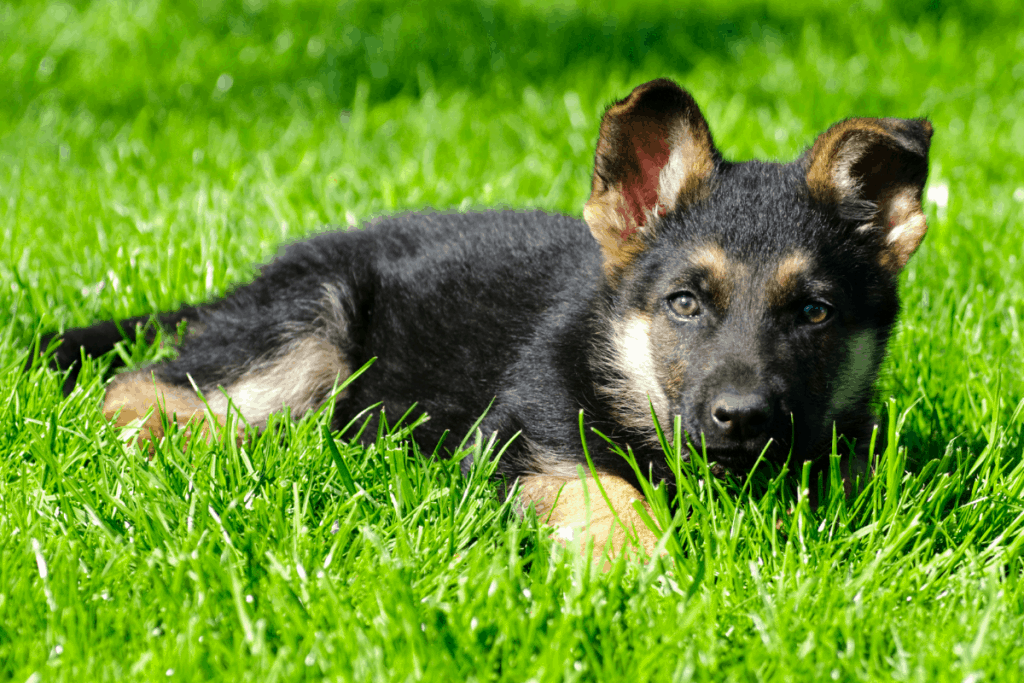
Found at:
<point>874,171</point>
<point>655,153</point>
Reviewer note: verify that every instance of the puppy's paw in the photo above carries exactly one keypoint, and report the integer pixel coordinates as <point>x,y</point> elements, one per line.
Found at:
<point>580,513</point>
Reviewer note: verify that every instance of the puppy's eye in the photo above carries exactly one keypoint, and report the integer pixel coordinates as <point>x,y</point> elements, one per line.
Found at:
<point>816,313</point>
<point>684,304</point>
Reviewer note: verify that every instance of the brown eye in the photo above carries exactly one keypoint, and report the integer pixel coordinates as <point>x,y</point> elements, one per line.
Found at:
<point>816,314</point>
<point>684,304</point>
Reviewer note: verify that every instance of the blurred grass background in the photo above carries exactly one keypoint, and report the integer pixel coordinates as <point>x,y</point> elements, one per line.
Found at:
<point>115,58</point>
<point>154,152</point>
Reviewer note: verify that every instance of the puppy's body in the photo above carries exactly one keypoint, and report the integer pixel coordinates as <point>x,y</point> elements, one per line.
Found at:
<point>446,304</point>
<point>752,300</point>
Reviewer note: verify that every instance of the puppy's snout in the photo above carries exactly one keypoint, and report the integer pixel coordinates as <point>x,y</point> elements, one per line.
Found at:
<point>740,415</point>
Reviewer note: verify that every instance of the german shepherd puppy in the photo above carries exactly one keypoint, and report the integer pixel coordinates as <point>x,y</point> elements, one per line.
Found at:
<point>753,300</point>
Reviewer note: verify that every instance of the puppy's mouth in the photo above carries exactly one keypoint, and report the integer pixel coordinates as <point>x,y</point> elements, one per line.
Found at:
<point>732,460</point>
<point>740,459</point>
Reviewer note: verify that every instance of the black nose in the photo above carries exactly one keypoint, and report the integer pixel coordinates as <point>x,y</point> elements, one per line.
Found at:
<point>740,416</point>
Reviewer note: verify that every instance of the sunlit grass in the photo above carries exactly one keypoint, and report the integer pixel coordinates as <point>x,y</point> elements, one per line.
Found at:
<point>152,154</point>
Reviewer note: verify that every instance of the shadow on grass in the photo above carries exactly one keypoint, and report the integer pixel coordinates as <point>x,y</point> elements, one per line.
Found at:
<point>204,55</point>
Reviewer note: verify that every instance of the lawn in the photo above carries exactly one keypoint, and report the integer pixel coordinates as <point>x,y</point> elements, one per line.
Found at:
<point>152,153</point>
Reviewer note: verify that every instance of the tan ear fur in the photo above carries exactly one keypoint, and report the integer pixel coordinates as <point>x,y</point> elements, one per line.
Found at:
<point>874,171</point>
<point>654,153</point>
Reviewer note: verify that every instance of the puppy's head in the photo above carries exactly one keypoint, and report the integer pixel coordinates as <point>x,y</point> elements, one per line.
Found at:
<point>752,299</point>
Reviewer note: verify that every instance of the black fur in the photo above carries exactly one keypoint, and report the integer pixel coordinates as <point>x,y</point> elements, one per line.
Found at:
<point>100,338</point>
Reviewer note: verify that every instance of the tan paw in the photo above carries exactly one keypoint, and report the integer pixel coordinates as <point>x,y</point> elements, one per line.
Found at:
<point>579,512</point>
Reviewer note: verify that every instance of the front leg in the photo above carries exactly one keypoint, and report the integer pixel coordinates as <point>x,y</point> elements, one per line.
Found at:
<point>577,510</point>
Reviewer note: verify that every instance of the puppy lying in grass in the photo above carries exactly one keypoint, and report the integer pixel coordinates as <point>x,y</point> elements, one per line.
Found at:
<point>748,303</point>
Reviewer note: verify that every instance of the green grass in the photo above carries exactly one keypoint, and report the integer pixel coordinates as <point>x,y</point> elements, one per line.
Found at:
<point>152,154</point>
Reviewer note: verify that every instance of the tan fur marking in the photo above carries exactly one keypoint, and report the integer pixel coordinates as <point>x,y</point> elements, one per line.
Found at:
<point>722,272</point>
<point>300,379</point>
<point>908,224</point>
<point>630,360</point>
<point>578,511</point>
<point>788,273</point>
<point>690,165</point>
<point>712,258</point>
<point>606,217</point>
<point>134,394</point>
